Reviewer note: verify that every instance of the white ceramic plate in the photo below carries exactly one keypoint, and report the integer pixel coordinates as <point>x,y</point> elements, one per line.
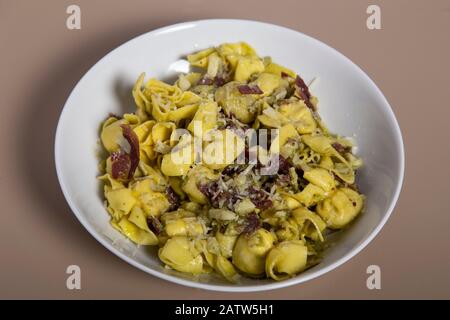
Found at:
<point>349,102</point>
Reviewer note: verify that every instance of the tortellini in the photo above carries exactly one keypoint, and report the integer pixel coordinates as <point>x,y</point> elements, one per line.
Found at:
<point>341,208</point>
<point>184,227</point>
<point>206,116</point>
<point>268,82</point>
<point>229,170</point>
<point>247,66</point>
<point>195,177</point>
<point>310,223</point>
<point>295,113</point>
<point>180,159</point>
<point>321,178</point>
<point>224,148</point>
<point>225,268</point>
<point>111,135</point>
<point>284,134</point>
<point>286,259</point>
<point>226,243</point>
<point>249,254</point>
<point>120,201</point>
<point>234,103</point>
<point>310,195</point>
<point>180,254</point>
<point>139,236</point>
<point>299,115</point>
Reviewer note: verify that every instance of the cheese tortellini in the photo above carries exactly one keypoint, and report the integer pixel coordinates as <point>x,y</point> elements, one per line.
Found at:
<point>228,170</point>
<point>250,252</point>
<point>286,259</point>
<point>340,208</point>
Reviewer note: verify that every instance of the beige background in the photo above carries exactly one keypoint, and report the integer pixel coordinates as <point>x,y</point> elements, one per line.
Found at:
<point>41,61</point>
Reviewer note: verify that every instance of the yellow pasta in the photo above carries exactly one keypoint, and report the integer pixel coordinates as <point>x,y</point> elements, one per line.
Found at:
<point>205,118</point>
<point>341,208</point>
<point>284,134</point>
<point>111,135</point>
<point>268,82</point>
<point>321,178</point>
<point>277,70</point>
<point>310,223</point>
<point>178,162</point>
<point>195,177</point>
<point>226,243</point>
<point>228,170</point>
<point>247,66</point>
<point>310,195</point>
<point>136,234</point>
<point>250,252</point>
<point>299,115</point>
<point>179,254</point>
<point>226,268</point>
<point>224,148</point>
<point>120,201</point>
<point>286,259</point>
<point>235,104</point>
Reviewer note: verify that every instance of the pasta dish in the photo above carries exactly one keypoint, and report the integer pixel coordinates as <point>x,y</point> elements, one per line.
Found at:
<point>230,169</point>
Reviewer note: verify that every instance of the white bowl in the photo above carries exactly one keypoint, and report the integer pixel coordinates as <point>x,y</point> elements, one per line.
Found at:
<point>349,102</point>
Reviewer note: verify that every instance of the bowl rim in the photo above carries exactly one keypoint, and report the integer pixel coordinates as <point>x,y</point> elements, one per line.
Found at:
<point>234,288</point>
